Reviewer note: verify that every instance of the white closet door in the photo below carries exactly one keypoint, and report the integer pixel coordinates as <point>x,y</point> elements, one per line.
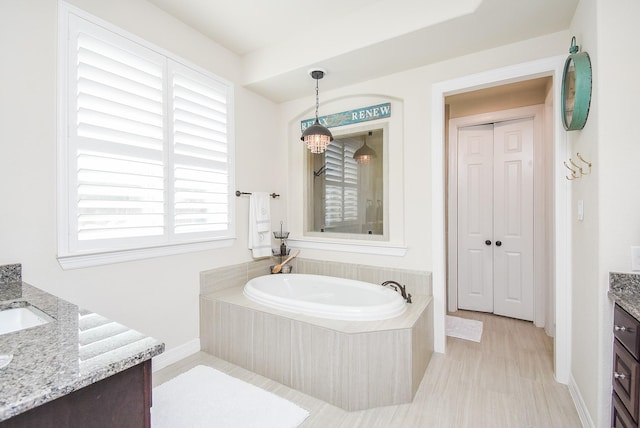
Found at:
<point>475,218</point>
<point>495,218</point>
<point>513,219</point>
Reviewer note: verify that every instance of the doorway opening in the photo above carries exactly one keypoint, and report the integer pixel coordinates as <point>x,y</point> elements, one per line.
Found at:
<point>500,206</point>
<point>558,225</point>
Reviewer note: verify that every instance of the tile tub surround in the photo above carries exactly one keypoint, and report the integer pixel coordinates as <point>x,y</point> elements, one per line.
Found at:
<point>624,289</point>
<point>233,276</point>
<point>417,282</point>
<point>352,365</point>
<point>55,359</point>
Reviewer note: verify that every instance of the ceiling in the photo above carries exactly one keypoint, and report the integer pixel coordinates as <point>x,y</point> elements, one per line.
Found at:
<point>279,41</point>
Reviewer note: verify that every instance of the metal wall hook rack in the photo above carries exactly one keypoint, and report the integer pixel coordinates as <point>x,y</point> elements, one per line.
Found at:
<point>574,173</point>
<point>585,162</point>
<point>577,170</point>
<point>239,193</point>
<point>577,166</point>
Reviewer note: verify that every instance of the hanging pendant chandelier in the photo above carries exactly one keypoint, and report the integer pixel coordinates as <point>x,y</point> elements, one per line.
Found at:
<point>316,136</point>
<point>365,153</point>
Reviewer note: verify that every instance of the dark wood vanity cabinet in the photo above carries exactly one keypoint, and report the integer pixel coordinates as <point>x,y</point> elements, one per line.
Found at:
<point>626,370</point>
<point>122,400</point>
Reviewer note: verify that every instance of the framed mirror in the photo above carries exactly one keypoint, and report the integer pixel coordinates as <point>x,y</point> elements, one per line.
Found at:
<point>346,197</point>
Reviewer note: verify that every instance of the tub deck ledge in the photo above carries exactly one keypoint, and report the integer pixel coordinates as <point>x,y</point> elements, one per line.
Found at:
<point>234,296</point>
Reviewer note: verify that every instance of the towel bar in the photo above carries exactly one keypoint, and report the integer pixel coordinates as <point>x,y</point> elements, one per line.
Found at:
<point>239,193</point>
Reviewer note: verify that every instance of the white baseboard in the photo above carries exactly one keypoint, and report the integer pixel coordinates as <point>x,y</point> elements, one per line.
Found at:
<point>550,330</point>
<point>176,354</point>
<point>581,407</point>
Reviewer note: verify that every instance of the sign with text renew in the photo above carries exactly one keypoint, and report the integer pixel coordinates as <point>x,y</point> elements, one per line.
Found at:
<point>349,117</point>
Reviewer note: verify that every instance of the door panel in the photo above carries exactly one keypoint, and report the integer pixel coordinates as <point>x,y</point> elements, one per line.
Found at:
<point>477,263</point>
<point>475,218</point>
<point>513,262</point>
<point>513,219</point>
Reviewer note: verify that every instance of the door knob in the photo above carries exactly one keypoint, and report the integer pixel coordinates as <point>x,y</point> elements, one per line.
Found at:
<point>617,375</point>
<point>487,242</point>
<point>498,243</point>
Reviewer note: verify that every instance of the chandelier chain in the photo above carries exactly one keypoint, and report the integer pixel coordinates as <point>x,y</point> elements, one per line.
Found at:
<point>317,100</point>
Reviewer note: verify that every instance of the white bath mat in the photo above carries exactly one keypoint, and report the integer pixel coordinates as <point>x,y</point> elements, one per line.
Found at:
<point>205,397</point>
<point>463,328</point>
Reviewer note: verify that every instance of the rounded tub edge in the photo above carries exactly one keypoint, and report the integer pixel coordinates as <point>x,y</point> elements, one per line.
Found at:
<point>394,307</point>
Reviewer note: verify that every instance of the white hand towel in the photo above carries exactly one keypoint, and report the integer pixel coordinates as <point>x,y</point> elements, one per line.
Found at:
<point>259,225</point>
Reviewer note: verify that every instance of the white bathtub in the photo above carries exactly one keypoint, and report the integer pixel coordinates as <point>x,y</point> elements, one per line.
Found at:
<point>326,297</point>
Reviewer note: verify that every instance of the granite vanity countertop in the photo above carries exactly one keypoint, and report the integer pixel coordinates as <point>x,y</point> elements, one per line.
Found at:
<point>76,349</point>
<point>624,289</point>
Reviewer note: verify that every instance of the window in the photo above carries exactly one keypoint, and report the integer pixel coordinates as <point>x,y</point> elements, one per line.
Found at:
<point>145,148</point>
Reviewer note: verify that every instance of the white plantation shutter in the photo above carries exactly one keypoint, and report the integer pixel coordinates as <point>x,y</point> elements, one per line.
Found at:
<point>341,184</point>
<point>147,146</point>
<point>201,159</point>
<point>117,137</point>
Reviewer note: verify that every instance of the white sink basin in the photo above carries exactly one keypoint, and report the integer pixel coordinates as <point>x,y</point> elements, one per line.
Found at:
<point>15,319</point>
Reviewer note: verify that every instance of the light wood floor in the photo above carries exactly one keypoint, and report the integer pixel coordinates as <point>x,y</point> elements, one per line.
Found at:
<point>506,380</point>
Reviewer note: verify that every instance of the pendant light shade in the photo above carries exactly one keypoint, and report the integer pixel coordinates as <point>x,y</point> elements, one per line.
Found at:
<point>365,153</point>
<point>316,136</point>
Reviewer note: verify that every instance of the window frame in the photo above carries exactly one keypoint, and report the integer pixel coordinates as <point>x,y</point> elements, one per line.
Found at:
<point>70,256</point>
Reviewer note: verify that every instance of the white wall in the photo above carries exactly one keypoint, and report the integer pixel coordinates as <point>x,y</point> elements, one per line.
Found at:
<point>585,242</point>
<point>156,296</point>
<point>617,95</point>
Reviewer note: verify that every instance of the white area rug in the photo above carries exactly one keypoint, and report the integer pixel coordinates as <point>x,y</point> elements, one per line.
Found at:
<point>463,328</point>
<point>205,397</point>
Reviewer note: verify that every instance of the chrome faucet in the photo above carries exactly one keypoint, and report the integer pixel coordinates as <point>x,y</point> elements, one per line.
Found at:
<point>399,288</point>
